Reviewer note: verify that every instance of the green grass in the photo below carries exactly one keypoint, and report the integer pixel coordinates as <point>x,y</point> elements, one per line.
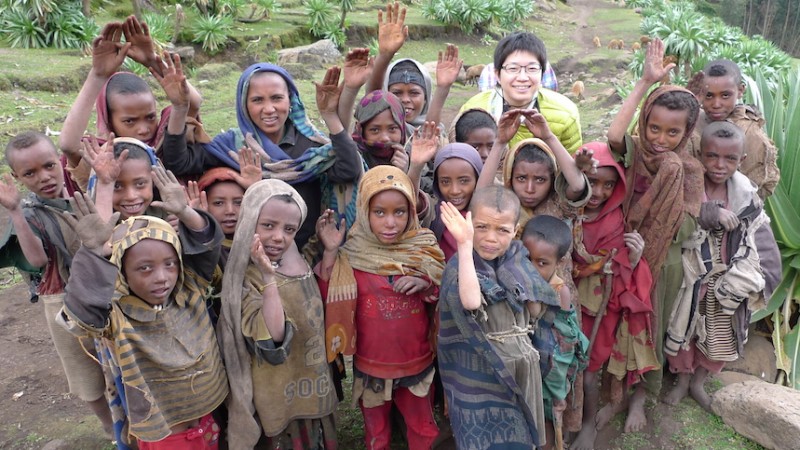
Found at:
<point>704,431</point>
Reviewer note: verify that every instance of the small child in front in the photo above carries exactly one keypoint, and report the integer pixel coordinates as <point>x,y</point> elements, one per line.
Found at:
<point>490,291</point>
<point>723,279</point>
<point>382,283</point>
<point>148,302</point>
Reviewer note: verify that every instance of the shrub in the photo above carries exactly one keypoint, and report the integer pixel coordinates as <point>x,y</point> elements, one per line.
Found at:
<point>161,27</point>
<point>321,15</point>
<point>41,23</point>
<point>212,32</point>
<point>471,15</point>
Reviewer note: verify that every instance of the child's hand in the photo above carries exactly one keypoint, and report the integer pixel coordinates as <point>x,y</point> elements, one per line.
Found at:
<point>9,194</point>
<point>635,244</point>
<point>196,198</point>
<point>92,230</point>
<point>697,85</point>
<point>329,91</point>
<point>654,69</point>
<point>392,33</point>
<point>400,158</point>
<point>425,144</point>
<point>261,260</point>
<point>106,167</point>
<point>585,162</point>
<point>249,168</point>
<point>172,80</point>
<point>459,226</point>
<point>728,219</point>
<point>357,67</point>
<point>173,197</point>
<point>143,49</point>
<point>108,53</point>
<point>409,285</point>
<point>330,236</point>
<point>448,66</point>
<point>537,124</point>
<point>508,125</point>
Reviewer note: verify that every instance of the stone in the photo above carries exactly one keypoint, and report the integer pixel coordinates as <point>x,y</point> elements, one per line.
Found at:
<point>758,360</point>
<point>57,444</point>
<point>297,71</point>
<point>320,53</point>
<point>763,412</point>
<point>186,52</point>
<point>727,378</point>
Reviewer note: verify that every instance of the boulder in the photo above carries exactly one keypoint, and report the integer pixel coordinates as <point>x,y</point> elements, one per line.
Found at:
<point>763,412</point>
<point>727,378</point>
<point>186,52</point>
<point>758,360</point>
<point>320,53</point>
<point>298,71</point>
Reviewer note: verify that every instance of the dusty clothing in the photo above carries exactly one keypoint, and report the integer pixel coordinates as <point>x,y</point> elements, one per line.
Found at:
<point>170,363</point>
<point>204,436</point>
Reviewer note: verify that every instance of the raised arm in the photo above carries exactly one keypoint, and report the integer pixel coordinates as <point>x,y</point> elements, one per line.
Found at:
<point>357,70</point>
<point>173,81</point>
<point>106,168</point>
<point>392,34</point>
<point>173,200</point>
<point>447,68</point>
<point>576,181</point>
<point>272,309</point>
<point>507,127</point>
<point>469,290</point>
<point>331,238</point>
<point>31,246</point>
<point>423,149</point>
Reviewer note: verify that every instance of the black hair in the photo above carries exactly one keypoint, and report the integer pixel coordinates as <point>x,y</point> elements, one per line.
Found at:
<point>126,83</point>
<point>723,68</point>
<point>134,151</point>
<point>549,229</point>
<point>681,101</point>
<point>473,120</point>
<point>25,140</point>
<point>533,154</point>
<point>497,197</point>
<point>519,41</point>
<point>722,130</point>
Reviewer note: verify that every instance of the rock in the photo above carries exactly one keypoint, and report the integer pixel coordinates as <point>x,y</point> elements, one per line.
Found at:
<point>728,378</point>
<point>185,52</point>
<point>546,6</point>
<point>320,53</point>
<point>57,444</point>
<point>297,71</point>
<point>215,70</point>
<point>759,359</point>
<point>766,413</point>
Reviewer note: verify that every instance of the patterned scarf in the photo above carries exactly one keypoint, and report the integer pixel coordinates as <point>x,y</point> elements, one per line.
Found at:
<point>550,205</point>
<point>414,253</point>
<point>370,106</point>
<point>512,278</point>
<point>401,71</point>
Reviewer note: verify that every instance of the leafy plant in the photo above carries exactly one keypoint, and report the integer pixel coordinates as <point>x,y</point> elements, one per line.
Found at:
<point>212,32</point>
<point>21,30</point>
<point>161,27</point>
<point>320,16</point>
<point>232,7</point>
<point>470,15</point>
<point>39,24</point>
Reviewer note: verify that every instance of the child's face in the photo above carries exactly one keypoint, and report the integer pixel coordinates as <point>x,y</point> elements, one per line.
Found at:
<point>543,255</point>
<point>133,190</point>
<point>531,181</point>
<point>388,215</point>
<point>151,268</point>
<point>382,129</point>
<point>224,203</point>
<point>268,104</point>
<point>277,226</point>
<point>721,158</point>
<point>494,231</point>
<point>457,180</point>
<point>603,183</point>
<point>665,128</point>
<point>519,89</point>
<point>720,97</point>
<point>411,96</point>
<point>39,169</point>
<point>482,139</point>
<point>133,115</point>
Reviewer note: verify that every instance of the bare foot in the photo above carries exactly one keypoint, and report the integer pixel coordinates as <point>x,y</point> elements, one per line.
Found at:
<point>608,412</point>
<point>585,438</point>
<point>677,393</point>
<point>637,419</point>
<point>697,390</point>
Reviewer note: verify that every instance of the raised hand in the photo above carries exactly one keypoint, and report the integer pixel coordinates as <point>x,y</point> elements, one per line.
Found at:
<point>172,80</point>
<point>654,68</point>
<point>173,197</point>
<point>327,231</point>
<point>537,124</point>
<point>400,158</point>
<point>508,125</point>
<point>196,198</point>
<point>261,260</point>
<point>357,67</point>
<point>108,53</point>
<point>393,32</point>
<point>106,167</point>
<point>697,85</point>
<point>93,231</point>
<point>409,285</point>
<point>143,49</point>
<point>459,226</point>
<point>256,147</point>
<point>585,162</point>
<point>249,168</point>
<point>635,244</point>
<point>328,92</point>
<point>9,194</point>
<point>425,143</point>
<point>448,66</point>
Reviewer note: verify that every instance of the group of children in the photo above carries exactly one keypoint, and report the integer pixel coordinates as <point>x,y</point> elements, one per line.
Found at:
<point>498,261</point>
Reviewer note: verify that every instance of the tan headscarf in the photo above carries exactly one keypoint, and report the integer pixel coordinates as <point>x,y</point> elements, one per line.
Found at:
<point>415,253</point>
<point>243,430</point>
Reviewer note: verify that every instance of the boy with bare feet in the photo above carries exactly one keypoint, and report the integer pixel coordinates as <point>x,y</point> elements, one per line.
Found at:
<point>723,280</point>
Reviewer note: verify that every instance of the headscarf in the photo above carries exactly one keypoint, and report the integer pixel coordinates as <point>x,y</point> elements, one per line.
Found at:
<point>406,74</point>
<point>151,153</point>
<point>549,205</point>
<point>216,175</point>
<point>241,409</point>
<point>414,253</point>
<point>370,106</point>
<point>663,186</point>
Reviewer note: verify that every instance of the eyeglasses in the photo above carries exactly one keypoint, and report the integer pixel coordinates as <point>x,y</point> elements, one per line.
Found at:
<point>515,69</point>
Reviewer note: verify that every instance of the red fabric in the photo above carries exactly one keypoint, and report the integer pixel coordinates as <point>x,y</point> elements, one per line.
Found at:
<point>687,361</point>
<point>204,436</point>
<point>393,329</point>
<point>605,338</point>
<point>421,429</point>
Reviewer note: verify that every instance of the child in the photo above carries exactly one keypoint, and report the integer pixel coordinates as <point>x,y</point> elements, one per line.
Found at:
<point>709,323</point>
<point>490,291</point>
<point>558,338</point>
<point>665,189</point>
<point>147,303</point>
<point>47,241</point>
<point>380,284</point>
<point>272,328</point>
<point>477,128</point>
<point>518,61</point>
<point>722,89</point>
<point>609,270</point>
<point>380,131</point>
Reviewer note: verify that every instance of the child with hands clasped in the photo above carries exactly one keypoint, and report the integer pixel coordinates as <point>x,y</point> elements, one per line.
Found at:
<point>490,292</point>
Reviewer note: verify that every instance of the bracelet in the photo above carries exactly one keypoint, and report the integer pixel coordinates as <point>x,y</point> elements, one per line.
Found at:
<point>271,283</point>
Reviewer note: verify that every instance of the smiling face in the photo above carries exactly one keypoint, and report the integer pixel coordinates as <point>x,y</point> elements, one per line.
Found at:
<point>721,158</point>
<point>519,89</point>
<point>38,168</point>
<point>494,231</point>
<point>133,190</point>
<point>277,225</point>
<point>268,104</point>
<point>531,181</point>
<point>411,96</point>
<point>665,128</point>
<point>224,203</point>
<point>482,139</point>
<point>603,183</point>
<point>133,115</point>
<point>456,179</point>
<point>388,215</point>
<point>382,129</point>
<point>151,268</point>
<point>543,255</point>
<point>720,96</point>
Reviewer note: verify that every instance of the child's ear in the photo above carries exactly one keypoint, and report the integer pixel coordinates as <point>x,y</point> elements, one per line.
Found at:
<point>742,88</point>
